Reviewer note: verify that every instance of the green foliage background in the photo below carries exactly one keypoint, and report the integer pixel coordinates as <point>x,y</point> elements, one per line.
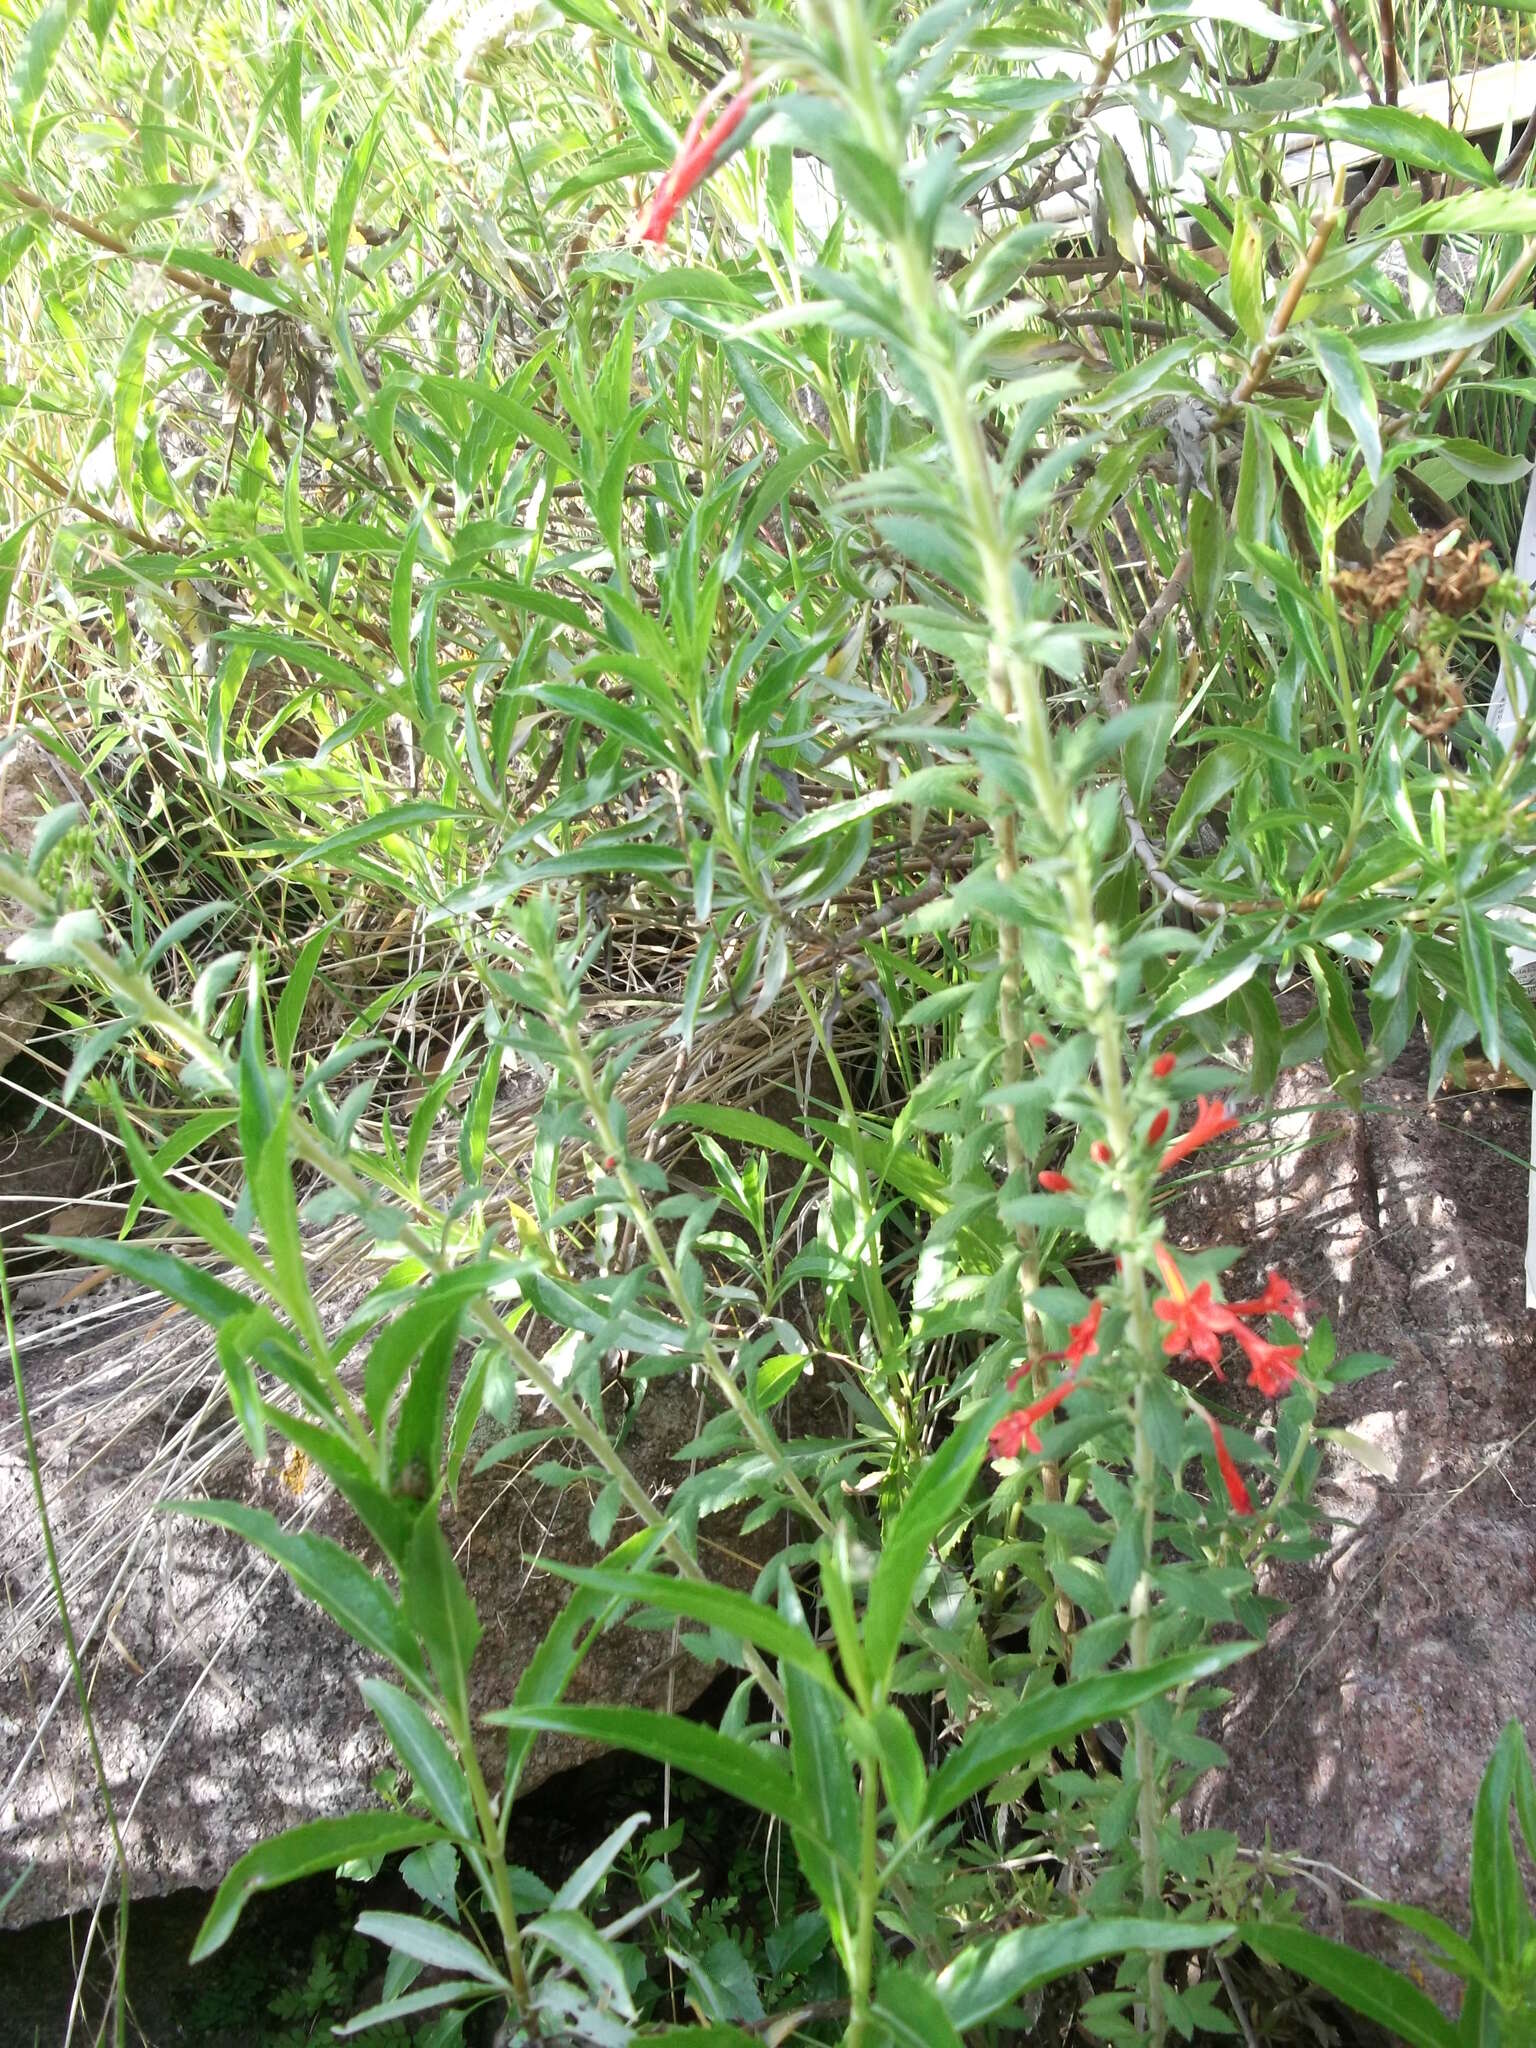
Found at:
<point>526,700</point>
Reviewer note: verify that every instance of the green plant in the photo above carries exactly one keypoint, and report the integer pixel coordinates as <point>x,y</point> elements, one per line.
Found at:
<point>668,646</point>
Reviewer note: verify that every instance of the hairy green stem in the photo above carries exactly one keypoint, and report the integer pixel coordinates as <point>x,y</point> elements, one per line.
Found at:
<point>1147,1813</point>
<point>861,1974</point>
<point>492,1837</point>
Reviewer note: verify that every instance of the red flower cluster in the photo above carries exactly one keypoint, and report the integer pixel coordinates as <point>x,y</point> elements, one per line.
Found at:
<point>700,154</point>
<point>1197,1323</point>
<point>1213,1119</point>
<point>1019,1428</point>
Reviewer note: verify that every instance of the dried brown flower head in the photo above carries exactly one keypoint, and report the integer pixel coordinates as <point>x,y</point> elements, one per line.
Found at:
<point>1438,570</point>
<point>1431,695</point>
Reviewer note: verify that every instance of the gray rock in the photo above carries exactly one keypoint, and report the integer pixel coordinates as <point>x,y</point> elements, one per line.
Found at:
<point>227,1708</point>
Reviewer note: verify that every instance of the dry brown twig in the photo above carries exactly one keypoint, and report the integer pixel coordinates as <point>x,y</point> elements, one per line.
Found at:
<point>1084,111</point>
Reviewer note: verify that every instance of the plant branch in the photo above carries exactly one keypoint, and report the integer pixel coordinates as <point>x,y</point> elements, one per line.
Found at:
<point>1350,51</point>
<point>1082,112</point>
<point>33,202</point>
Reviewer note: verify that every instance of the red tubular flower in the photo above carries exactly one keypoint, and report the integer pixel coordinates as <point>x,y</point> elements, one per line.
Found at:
<point>1056,1183</point>
<point>1278,1299</point>
<point>1272,1366</point>
<point>1083,1337</point>
<point>1156,1128</point>
<point>1100,1153</point>
<point>1212,1120</point>
<point>1197,1322</point>
<point>699,155</point>
<point>1019,1428</point>
<point>1082,1342</point>
<point>1164,1065</point>
<point>1226,1465</point>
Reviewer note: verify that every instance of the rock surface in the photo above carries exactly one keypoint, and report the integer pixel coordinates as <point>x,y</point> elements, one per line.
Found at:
<point>226,1706</point>
<point>1359,1734</point>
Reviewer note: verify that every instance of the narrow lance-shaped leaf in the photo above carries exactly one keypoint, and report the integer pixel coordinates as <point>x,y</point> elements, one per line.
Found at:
<point>938,1495</point>
<point>35,61</point>
<point>428,1942</point>
<point>421,1748</point>
<point>128,396</point>
<point>1398,134</point>
<point>990,1976</point>
<point>439,1609</point>
<point>324,1572</point>
<point>719,1607</point>
<point>1058,1714</point>
<point>748,1771</point>
<point>1359,1981</point>
<point>1501,1915</point>
<point>1353,393</point>
<point>315,1846</point>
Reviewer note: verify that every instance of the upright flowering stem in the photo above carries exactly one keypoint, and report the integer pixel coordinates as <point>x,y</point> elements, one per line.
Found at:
<point>1014,692</point>
<point>1143,1340</point>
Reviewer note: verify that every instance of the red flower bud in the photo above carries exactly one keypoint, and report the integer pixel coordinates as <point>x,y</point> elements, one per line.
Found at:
<point>1164,1065</point>
<point>1156,1128</point>
<point>1226,1465</point>
<point>1038,1040</point>
<point>1278,1299</point>
<point>1100,1152</point>
<point>1056,1183</point>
